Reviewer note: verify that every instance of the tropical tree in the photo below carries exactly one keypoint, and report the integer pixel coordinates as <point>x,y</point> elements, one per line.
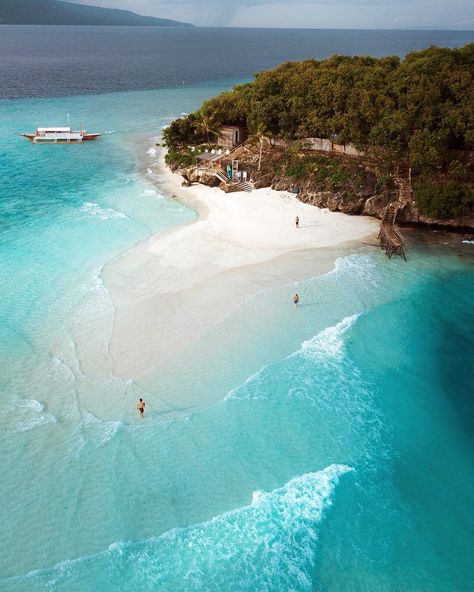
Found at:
<point>260,135</point>
<point>207,124</point>
<point>418,110</point>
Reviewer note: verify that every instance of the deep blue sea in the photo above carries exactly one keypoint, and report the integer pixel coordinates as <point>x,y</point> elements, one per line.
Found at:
<point>54,61</point>
<point>324,449</point>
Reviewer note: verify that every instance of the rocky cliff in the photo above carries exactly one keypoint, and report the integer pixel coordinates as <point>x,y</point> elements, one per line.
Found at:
<point>363,202</point>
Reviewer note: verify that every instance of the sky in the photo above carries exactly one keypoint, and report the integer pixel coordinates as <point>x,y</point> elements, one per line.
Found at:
<point>339,14</point>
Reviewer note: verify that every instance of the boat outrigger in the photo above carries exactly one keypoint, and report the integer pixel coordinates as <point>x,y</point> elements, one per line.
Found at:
<point>59,135</point>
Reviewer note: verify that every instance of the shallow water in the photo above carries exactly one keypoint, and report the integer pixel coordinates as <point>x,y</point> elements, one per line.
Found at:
<point>323,448</point>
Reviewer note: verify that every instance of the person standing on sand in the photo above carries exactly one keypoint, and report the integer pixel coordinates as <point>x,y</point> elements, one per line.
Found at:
<point>141,408</point>
<point>296,299</point>
<point>297,222</point>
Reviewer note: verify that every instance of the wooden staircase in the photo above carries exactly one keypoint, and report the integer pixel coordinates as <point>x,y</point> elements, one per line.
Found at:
<point>243,186</point>
<point>221,175</point>
<point>215,172</point>
<point>390,214</point>
<point>403,180</point>
<point>390,236</point>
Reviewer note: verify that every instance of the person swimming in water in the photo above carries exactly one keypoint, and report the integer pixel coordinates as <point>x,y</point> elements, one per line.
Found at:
<point>141,408</point>
<point>296,299</point>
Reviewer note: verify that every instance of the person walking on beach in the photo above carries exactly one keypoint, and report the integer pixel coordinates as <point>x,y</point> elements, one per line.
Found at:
<point>297,222</point>
<point>296,299</point>
<point>141,408</point>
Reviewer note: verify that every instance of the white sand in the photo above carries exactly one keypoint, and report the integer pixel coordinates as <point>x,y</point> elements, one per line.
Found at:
<point>165,289</point>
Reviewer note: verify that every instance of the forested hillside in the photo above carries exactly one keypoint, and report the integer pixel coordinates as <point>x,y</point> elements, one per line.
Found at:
<point>56,12</point>
<point>418,111</point>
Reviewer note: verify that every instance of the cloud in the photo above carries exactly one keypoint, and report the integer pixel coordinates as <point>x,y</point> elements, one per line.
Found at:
<point>306,13</point>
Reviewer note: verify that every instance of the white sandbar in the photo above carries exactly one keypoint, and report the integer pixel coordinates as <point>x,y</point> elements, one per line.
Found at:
<point>168,289</point>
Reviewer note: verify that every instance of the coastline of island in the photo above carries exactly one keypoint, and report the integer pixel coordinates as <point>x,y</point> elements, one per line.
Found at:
<point>170,288</point>
<point>249,177</point>
<point>350,133</point>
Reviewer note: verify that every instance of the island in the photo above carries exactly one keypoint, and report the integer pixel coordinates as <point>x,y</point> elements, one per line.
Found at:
<point>358,135</point>
<point>56,12</point>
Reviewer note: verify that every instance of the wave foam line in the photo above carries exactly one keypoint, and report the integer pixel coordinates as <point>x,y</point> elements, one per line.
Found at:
<point>328,343</point>
<point>269,545</point>
<point>93,209</point>
<point>31,412</point>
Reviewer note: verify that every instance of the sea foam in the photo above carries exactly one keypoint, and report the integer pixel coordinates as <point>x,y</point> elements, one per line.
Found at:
<point>270,545</point>
<point>31,414</point>
<point>101,430</point>
<point>154,176</point>
<point>327,344</point>
<point>93,209</point>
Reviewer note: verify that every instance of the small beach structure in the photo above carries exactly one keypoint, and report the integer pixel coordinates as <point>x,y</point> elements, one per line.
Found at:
<point>236,170</point>
<point>211,163</point>
<point>231,167</point>
<point>230,136</point>
<point>225,167</point>
<point>209,160</point>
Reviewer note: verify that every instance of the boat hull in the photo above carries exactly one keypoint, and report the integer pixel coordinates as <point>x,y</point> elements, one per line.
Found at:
<point>45,140</point>
<point>89,137</point>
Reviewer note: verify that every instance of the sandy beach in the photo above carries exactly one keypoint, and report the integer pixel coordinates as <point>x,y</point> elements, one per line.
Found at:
<point>168,289</point>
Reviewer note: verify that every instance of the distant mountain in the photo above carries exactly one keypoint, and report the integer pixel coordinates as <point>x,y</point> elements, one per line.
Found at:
<point>56,12</point>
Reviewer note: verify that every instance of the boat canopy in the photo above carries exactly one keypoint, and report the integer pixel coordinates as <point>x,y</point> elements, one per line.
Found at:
<point>54,130</point>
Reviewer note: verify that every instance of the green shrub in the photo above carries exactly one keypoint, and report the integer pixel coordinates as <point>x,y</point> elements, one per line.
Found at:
<point>445,200</point>
<point>297,170</point>
<point>180,158</point>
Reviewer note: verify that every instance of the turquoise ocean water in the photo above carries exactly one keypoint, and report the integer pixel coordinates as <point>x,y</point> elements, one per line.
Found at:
<point>328,448</point>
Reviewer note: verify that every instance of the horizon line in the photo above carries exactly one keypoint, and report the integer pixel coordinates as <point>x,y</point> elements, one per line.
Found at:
<point>433,28</point>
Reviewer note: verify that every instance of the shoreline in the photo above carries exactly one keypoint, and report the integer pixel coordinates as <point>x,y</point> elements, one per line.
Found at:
<point>173,286</point>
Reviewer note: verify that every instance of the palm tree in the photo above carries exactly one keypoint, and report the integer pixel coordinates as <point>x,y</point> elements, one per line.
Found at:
<point>260,135</point>
<point>207,125</point>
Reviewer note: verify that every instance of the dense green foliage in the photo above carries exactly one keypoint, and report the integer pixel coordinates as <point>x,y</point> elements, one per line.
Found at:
<point>180,158</point>
<point>450,199</point>
<point>418,112</point>
<point>414,109</point>
<point>331,174</point>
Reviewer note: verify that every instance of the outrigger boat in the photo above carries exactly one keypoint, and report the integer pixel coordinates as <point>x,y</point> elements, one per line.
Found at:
<point>59,135</point>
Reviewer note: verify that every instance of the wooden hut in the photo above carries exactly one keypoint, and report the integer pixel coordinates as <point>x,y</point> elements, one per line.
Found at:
<point>230,136</point>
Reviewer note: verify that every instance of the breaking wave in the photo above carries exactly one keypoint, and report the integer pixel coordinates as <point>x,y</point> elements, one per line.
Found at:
<point>94,209</point>
<point>31,413</point>
<point>326,347</point>
<point>358,267</point>
<point>154,176</point>
<point>101,430</point>
<point>329,342</point>
<point>152,193</point>
<point>269,545</point>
